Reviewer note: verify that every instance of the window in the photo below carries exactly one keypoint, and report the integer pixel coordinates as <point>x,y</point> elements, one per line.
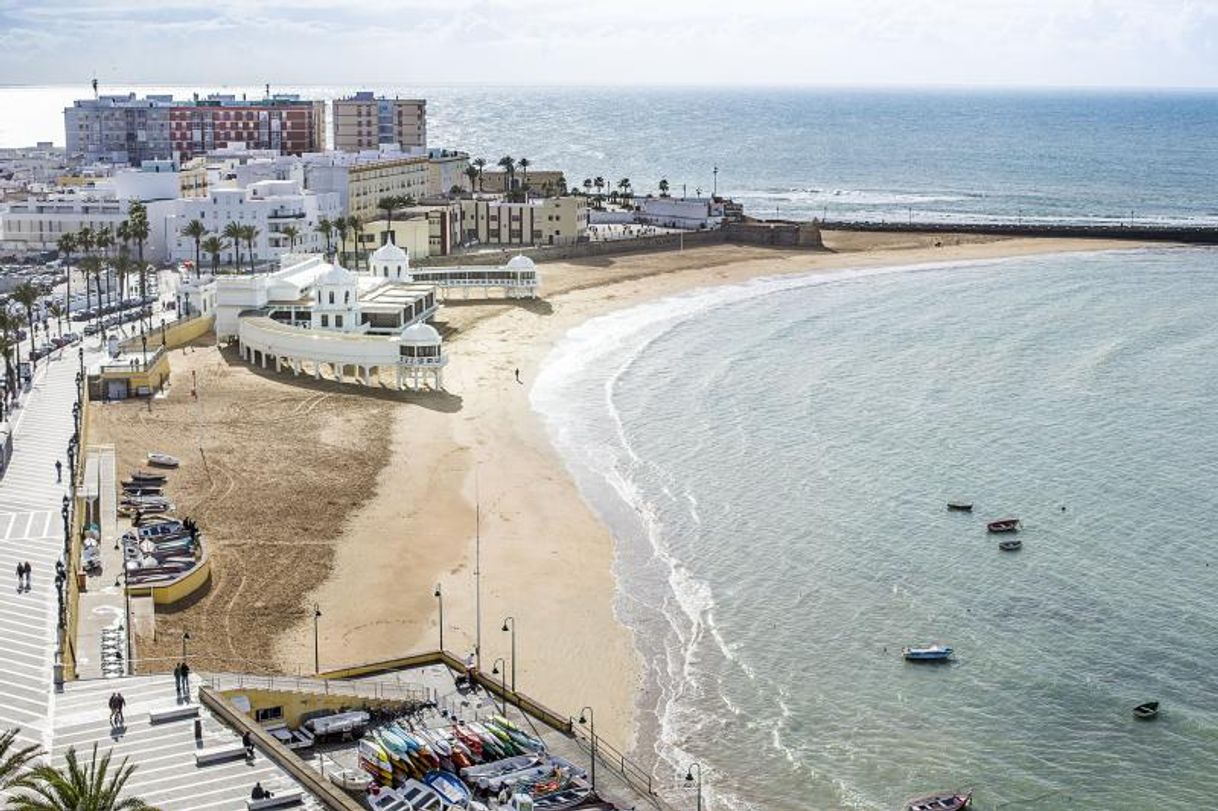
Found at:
<point>338,321</point>
<point>331,296</point>
<point>325,320</point>
<point>346,297</point>
<point>268,714</point>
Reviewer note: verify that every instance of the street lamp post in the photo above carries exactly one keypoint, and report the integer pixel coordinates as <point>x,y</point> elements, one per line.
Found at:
<point>509,624</point>
<point>316,648</point>
<point>689,778</point>
<point>144,344</point>
<point>590,720</point>
<point>502,674</point>
<point>439,595</point>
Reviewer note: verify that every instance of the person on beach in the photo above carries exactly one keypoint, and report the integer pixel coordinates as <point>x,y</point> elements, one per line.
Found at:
<point>58,471</point>
<point>518,376</point>
<point>259,793</point>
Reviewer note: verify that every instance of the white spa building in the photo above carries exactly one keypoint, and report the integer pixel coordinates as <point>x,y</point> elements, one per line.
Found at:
<point>315,317</point>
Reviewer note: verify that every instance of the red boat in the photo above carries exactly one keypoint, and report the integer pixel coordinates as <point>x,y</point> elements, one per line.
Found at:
<point>1005,525</point>
<point>946,801</point>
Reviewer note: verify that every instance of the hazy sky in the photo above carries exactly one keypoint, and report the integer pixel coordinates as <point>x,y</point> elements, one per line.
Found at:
<point>851,42</point>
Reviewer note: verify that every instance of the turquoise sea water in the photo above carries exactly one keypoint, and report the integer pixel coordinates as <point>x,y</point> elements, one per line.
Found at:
<point>881,155</point>
<point>775,460</point>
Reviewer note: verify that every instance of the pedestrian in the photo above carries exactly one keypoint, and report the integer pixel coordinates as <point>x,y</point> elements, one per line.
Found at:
<point>186,679</point>
<point>517,375</point>
<point>119,703</point>
<point>28,569</point>
<point>177,678</point>
<point>113,709</point>
<point>58,471</point>
<point>247,740</point>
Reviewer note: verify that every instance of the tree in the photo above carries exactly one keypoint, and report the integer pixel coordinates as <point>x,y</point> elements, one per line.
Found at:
<point>77,786</point>
<point>196,230</point>
<point>215,245</point>
<point>357,230</point>
<point>89,266</point>
<point>27,295</point>
<point>509,168</point>
<point>472,173</point>
<point>122,268</point>
<point>12,760</point>
<point>67,244</point>
<point>249,233</point>
<point>480,164</point>
<point>587,185</point>
<point>326,229</point>
<point>84,240</point>
<point>137,215</point>
<point>7,345</point>
<point>389,205</point>
<point>599,182</point>
<point>56,310</point>
<point>292,233</point>
<point>103,239</point>
<point>523,163</point>
<point>232,232</point>
<point>340,228</point>
<point>663,187</point>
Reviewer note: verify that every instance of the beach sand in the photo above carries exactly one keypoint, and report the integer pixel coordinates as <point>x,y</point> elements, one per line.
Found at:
<point>362,504</point>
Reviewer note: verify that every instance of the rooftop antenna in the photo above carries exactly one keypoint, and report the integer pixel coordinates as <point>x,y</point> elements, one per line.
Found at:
<point>95,87</point>
<point>268,90</point>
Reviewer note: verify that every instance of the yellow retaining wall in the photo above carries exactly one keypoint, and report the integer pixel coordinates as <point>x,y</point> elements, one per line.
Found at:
<point>152,379</point>
<point>174,590</point>
<point>177,334</point>
<point>296,704</point>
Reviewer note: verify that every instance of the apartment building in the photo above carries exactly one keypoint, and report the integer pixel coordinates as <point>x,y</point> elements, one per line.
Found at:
<point>119,129</point>
<point>547,221</point>
<point>362,179</point>
<point>364,121</point>
<point>547,181</point>
<point>284,124</point>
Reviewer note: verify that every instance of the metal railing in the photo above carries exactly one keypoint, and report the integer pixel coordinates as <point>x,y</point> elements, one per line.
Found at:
<point>135,365</point>
<point>368,689</point>
<point>637,777</point>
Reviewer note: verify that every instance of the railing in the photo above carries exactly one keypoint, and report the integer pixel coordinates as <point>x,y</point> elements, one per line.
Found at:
<point>139,365</point>
<point>607,755</point>
<point>368,689</point>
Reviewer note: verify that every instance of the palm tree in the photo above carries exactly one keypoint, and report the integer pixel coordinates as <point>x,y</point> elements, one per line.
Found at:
<point>137,215</point>
<point>292,233</point>
<point>56,310</point>
<point>84,240</point>
<point>663,187</point>
<point>357,229</point>
<point>326,228</point>
<point>90,266</point>
<point>27,295</point>
<point>122,268</point>
<point>103,239</point>
<point>77,786</point>
<point>587,185</point>
<point>389,205</point>
<point>523,163</point>
<point>599,182</point>
<point>472,173</point>
<point>66,244</point>
<point>7,345</point>
<point>232,232</point>
<point>509,168</point>
<point>249,233</point>
<point>480,164</point>
<point>215,245</point>
<point>196,230</point>
<point>13,761</point>
<point>340,228</point>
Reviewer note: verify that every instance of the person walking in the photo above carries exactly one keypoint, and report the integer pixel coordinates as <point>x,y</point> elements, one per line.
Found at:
<point>247,740</point>
<point>177,679</point>
<point>28,569</point>
<point>58,471</point>
<point>20,577</point>
<point>113,709</point>
<point>186,680</point>
<point>119,703</point>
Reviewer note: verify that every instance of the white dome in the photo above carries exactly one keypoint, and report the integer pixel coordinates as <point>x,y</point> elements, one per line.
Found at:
<point>521,262</point>
<point>336,274</point>
<point>388,253</point>
<point>420,333</point>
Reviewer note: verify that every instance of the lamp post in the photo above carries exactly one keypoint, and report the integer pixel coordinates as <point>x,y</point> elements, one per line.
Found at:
<point>689,778</point>
<point>144,344</point>
<point>509,624</point>
<point>185,639</point>
<point>502,674</point>
<point>316,648</point>
<point>590,720</point>
<point>439,595</point>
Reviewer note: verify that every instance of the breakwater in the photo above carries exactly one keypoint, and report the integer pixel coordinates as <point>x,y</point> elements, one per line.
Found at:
<point>1135,232</point>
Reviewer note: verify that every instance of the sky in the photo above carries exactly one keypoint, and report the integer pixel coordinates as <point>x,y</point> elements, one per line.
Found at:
<point>1022,43</point>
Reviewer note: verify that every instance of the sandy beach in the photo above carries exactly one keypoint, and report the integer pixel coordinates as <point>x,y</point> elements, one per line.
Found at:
<point>362,504</point>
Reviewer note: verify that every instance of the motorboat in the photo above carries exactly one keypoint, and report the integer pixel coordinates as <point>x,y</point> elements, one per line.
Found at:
<point>960,506</point>
<point>449,787</point>
<point>148,477</point>
<point>926,653</point>
<point>1003,525</point>
<point>1144,712</point>
<point>351,779</point>
<point>420,796</point>
<point>162,460</point>
<point>1011,545</point>
<point>941,801</point>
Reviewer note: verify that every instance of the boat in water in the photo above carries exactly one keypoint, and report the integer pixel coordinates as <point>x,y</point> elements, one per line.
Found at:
<point>943,801</point>
<point>960,506</point>
<point>1145,712</point>
<point>926,653</point>
<point>1011,545</point>
<point>1003,525</point>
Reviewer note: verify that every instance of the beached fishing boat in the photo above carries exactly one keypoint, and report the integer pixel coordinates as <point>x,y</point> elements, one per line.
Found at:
<point>926,653</point>
<point>148,477</point>
<point>351,779</point>
<point>1011,545</point>
<point>1146,711</point>
<point>560,800</point>
<point>162,460</point>
<point>420,796</point>
<point>1003,525</point>
<point>944,801</point>
<point>960,506</point>
<point>449,787</point>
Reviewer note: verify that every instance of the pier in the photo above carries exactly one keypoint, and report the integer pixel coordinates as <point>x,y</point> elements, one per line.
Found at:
<point>1200,235</point>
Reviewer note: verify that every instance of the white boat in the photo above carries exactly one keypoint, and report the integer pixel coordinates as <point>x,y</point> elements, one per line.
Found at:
<point>351,779</point>
<point>162,460</point>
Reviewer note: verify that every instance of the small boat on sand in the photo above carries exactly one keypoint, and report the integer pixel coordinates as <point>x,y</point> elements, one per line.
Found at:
<point>1011,545</point>
<point>1146,711</point>
<point>960,506</point>
<point>944,801</point>
<point>148,477</point>
<point>1003,525</point>
<point>162,460</point>
<point>351,779</point>
<point>926,653</point>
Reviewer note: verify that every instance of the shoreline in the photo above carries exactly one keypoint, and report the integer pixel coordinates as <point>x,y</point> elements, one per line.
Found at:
<point>484,445</point>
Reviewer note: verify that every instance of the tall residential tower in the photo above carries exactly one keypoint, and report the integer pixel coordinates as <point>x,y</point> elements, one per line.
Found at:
<point>365,121</point>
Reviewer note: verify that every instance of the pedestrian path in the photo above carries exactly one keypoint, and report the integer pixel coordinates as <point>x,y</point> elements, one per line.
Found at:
<point>31,529</point>
<point>164,753</point>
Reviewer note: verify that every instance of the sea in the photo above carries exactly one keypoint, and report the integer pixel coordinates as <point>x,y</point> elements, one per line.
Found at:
<point>775,457</point>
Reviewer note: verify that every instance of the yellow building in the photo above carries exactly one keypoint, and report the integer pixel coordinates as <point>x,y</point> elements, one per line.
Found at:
<point>547,221</point>
<point>192,178</point>
<point>412,234</point>
<point>364,121</point>
<point>368,182</point>
<point>547,181</point>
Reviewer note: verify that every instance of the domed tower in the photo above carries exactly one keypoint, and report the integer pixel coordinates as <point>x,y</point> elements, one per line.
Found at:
<point>390,262</point>
<point>337,300</point>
